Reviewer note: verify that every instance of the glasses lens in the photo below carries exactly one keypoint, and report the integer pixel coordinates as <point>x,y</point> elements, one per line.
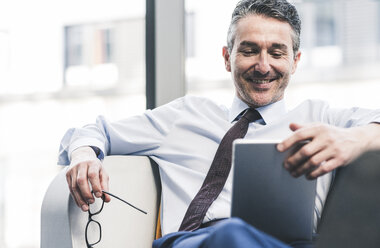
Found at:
<point>97,206</point>
<point>93,233</point>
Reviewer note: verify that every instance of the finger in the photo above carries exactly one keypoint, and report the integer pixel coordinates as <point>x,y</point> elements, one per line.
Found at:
<point>83,184</point>
<point>69,184</point>
<point>313,163</point>
<point>301,154</point>
<point>301,134</point>
<point>74,189</point>
<point>93,178</point>
<point>326,167</point>
<point>104,179</point>
<point>295,126</point>
<point>309,171</point>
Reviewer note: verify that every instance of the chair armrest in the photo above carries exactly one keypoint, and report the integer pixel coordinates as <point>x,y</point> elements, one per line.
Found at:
<point>351,216</point>
<point>133,178</point>
<point>55,226</point>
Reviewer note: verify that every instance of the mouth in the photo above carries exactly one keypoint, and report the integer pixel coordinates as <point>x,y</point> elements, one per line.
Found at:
<point>261,84</point>
<point>261,81</point>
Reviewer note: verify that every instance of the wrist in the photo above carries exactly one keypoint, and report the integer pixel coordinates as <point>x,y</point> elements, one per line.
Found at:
<point>373,136</point>
<point>84,153</point>
<point>368,136</point>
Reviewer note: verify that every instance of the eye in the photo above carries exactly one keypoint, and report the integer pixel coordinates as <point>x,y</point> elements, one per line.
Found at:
<point>249,52</point>
<point>276,55</point>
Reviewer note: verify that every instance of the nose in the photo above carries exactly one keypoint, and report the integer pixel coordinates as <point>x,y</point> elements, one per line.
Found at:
<point>262,65</point>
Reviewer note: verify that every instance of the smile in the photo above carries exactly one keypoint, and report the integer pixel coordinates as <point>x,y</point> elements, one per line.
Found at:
<point>261,81</point>
<point>261,84</point>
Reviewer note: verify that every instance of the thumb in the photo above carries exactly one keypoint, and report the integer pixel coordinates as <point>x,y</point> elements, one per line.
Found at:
<point>295,126</point>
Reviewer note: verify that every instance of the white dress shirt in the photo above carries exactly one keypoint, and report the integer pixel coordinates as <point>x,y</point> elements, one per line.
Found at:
<point>183,136</point>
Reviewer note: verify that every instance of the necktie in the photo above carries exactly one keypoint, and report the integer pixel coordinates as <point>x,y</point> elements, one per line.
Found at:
<point>217,174</point>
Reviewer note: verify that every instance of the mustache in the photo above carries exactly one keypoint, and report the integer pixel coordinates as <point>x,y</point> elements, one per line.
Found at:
<point>253,74</point>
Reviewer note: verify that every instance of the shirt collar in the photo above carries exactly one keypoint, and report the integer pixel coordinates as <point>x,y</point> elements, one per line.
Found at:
<point>269,112</point>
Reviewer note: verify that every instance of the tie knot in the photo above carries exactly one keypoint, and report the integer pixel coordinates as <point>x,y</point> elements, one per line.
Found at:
<point>252,115</point>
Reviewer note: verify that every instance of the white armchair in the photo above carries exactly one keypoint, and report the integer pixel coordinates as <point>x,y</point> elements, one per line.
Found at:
<point>133,178</point>
<point>350,219</point>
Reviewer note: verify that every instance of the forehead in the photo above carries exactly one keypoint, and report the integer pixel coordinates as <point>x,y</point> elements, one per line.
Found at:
<point>263,30</point>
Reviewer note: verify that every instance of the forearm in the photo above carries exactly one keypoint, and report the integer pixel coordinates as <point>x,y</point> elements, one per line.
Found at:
<point>370,136</point>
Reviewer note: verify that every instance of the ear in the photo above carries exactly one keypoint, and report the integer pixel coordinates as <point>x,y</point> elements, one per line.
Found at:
<point>296,60</point>
<point>226,56</point>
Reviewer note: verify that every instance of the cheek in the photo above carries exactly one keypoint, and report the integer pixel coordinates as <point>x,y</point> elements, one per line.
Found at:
<point>284,68</point>
<point>240,67</point>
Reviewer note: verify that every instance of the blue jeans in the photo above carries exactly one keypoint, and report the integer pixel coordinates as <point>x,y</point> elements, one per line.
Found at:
<point>230,233</point>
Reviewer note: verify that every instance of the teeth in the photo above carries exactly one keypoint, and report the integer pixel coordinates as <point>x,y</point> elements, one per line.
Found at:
<point>257,81</point>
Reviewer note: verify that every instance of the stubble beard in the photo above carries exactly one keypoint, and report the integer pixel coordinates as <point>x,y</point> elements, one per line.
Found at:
<point>243,93</point>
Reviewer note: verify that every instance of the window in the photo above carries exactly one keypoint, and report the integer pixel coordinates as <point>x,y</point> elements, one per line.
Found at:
<point>325,24</point>
<point>74,46</point>
<point>206,34</point>
<point>104,39</point>
<point>104,55</point>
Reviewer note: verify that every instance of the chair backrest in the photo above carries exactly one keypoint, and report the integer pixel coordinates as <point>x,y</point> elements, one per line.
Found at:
<point>133,178</point>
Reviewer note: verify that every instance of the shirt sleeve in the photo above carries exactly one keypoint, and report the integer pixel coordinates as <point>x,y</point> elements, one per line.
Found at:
<point>137,135</point>
<point>352,117</point>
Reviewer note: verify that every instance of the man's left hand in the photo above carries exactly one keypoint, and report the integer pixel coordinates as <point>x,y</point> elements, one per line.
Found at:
<point>327,147</point>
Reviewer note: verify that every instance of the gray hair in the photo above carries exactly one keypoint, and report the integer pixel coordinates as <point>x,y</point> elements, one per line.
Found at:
<point>277,9</point>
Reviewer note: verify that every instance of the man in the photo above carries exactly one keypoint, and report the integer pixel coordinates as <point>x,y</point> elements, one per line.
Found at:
<point>183,136</point>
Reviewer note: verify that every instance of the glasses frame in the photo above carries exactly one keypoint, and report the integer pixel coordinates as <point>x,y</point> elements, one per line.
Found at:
<point>90,219</point>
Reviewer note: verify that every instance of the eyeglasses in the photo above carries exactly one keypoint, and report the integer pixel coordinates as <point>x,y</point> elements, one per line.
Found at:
<point>93,225</point>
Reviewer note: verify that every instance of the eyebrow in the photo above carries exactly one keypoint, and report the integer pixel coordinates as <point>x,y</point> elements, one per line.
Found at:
<point>248,43</point>
<point>280,46</point>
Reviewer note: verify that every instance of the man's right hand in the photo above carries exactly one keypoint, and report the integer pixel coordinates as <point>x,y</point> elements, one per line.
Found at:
<point>86,173</point>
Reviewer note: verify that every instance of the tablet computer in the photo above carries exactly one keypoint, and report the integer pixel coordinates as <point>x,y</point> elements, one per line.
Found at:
<point>265,194</point>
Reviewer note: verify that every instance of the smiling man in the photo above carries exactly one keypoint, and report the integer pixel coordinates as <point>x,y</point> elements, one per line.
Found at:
<point>262,59</point>
<point>190,138</point>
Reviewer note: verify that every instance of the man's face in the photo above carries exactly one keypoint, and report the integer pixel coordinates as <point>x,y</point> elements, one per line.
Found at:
<point>261,60</point>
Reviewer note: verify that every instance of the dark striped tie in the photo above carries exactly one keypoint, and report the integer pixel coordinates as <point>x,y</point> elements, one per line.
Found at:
<point>217,174</point>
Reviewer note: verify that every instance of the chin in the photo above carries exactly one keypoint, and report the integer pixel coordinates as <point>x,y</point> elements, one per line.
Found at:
<point>259,101</point>
<point>255,103</point>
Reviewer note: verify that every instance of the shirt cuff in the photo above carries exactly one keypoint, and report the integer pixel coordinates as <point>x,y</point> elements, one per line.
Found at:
<point>91,143</point>
<point>98,152</point>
